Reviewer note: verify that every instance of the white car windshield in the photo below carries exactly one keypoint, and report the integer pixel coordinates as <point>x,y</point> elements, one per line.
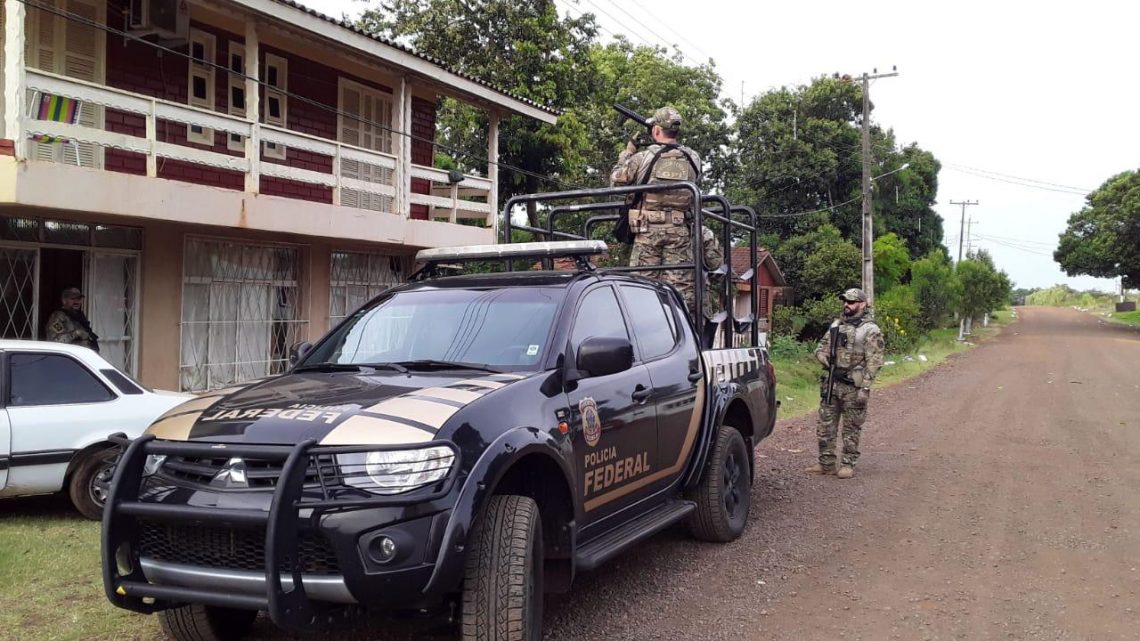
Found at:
<point>497,328</point>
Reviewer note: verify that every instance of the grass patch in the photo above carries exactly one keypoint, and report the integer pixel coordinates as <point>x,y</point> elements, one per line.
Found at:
<point>51,586</point>
<point>798,374</point>
<point>1125,318</point>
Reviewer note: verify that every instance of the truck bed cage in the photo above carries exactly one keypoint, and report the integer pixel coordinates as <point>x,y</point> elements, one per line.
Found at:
<point>608,204</point>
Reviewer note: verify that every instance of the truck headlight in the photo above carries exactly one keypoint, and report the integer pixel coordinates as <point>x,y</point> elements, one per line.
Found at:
<point>395,471</point>
<point>153,464</point>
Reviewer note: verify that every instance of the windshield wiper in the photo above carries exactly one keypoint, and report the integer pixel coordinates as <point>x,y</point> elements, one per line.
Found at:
<point>431,363</point>
<point>350,367</point>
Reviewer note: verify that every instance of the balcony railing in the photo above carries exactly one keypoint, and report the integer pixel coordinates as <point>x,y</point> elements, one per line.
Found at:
<point>467,198</point>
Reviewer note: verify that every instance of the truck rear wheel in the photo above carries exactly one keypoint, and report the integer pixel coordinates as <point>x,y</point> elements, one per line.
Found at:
<point>206,623</point>
<point>724,494</point>
<point>502,585</point>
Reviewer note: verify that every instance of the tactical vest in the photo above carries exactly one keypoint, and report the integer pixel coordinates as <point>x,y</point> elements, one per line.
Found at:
<point>851,352</point>
<point>669,163</point>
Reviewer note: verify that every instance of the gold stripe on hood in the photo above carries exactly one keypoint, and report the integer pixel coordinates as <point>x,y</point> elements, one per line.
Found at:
<point>449,394</point>
<point>417,409</point>
<point>371,430</point>
<point>174,428</point>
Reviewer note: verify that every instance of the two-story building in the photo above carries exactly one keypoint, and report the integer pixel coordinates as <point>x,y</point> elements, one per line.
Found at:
<point>222,178</point>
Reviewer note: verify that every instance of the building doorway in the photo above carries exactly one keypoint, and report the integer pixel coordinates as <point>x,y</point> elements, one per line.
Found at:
<point>40,258</point>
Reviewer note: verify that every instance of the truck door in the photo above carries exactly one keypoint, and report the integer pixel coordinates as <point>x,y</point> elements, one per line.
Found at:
<point>612,420</point>
<point>669,351</point>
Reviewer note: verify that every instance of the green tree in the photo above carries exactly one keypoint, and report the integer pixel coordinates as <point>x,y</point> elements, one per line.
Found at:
<point>1103,238</point>
<point>792,254</point>
<point>936,289</point>
<point>983,289</point>
<point>525,48</point>
<point>798,151</point>
<point>831,270</point>
<point>898,314</point>
<point>892,262</point>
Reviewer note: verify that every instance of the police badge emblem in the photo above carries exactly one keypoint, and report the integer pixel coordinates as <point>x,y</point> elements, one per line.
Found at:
<point>591,421</point>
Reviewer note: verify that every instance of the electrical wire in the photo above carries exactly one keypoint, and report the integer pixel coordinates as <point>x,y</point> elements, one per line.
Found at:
<point>809,213</point>
<point>1029,180</point>
<point>666,25</point>
<point>650,30</point>
<point>1066,190</point>
<point>309,101</point>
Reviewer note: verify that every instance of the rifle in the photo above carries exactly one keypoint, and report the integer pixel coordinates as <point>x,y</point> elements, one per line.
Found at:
<point>831,353</point>
<point>629,114</point>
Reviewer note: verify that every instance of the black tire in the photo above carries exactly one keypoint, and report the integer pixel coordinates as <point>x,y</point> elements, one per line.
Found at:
<point>724,494</point>
<point>206,623</point>
<point>502,581</point>
<point>91,481</point>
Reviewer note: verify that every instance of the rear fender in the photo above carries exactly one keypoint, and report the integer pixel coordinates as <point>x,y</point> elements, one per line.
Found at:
<point>721,396</point>
<point>491,466</point>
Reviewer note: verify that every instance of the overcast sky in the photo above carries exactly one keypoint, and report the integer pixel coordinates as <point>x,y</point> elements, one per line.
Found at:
<point>1023,92</point>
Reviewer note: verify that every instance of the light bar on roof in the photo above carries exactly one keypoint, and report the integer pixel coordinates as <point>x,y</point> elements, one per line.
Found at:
<point>558,249</point>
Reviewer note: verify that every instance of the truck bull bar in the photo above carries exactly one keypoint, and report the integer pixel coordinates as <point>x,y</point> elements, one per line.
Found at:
<point>127,586</point>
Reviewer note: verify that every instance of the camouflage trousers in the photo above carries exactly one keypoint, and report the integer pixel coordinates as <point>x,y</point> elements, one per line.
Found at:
<point>665,244</point>
<point>853,412</point>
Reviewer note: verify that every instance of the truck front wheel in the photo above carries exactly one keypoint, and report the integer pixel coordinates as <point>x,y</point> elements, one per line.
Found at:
<point>502,584</point>
<point>724,494</point>
<point>206,623</point>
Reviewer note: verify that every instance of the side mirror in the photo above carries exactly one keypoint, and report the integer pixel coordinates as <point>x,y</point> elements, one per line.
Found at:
<point>600,356</point>
<point>299,351</point>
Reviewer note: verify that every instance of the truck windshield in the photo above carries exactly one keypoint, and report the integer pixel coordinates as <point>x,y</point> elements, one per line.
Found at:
<point>496,328</point>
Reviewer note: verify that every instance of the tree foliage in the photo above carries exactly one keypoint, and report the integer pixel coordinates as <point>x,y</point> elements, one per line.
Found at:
<point>892,262</point>
<point>983,288</point>
<point>1103,238</point>
<point>936,289</point>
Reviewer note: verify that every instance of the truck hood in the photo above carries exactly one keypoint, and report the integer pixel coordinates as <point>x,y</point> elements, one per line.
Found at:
<point>341,408</point>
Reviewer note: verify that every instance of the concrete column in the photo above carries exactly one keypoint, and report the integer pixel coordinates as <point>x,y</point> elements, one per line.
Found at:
<point>160,306</point>
<point>14,82</point>
<point>252,100</point>
<point>493,171</point>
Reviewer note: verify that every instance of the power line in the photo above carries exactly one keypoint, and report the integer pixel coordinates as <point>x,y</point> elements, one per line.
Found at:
<point>621,24</point>
<point>1030,180</point>
<point>666,25</point>
<point>808,213</point>
<point>659,36</point>
<point>310,101</point>
<point>1066,190</point>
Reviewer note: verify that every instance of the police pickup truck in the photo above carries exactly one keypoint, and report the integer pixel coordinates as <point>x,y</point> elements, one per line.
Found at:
<point>465,441</point>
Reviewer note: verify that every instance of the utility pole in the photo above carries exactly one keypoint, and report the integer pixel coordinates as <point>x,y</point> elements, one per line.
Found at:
<point>868,235</point>
<point>969,235</point>
<point>962,225</point>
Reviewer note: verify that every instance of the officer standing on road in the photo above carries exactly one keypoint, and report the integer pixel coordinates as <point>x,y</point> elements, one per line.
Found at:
<point>660,221</point>
<point>856,344</point>
<point>69,324</point>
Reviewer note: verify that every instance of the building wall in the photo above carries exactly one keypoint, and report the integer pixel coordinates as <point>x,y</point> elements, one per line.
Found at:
<point>135,67</point>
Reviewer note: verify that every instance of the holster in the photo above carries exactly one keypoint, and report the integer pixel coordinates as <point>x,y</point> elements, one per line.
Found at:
<point>857,377</point>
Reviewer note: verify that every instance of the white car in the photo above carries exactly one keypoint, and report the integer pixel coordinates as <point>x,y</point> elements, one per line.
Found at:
<point>58,406</point>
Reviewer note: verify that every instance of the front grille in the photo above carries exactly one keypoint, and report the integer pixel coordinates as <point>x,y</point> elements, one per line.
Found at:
<point>198,470</point>
<point>234,549</point>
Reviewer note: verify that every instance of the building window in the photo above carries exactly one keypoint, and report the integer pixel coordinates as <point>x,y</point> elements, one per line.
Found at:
<point>357,277</point>
<point>200,89</point>
<point>240,312</point>
<point>275,106</point>
<point>236,98</point>
<point>365,121</point>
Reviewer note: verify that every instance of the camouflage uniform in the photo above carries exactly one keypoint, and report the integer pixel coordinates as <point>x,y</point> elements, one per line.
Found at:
<point>858,358</point>
<point>62,328</point>
<point>70,325</point>
<point>660,226</point>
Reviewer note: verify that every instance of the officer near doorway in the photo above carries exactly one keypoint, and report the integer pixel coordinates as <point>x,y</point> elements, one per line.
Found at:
<point>660,221</point>
<point>852,352</point>
<point>69,324</point>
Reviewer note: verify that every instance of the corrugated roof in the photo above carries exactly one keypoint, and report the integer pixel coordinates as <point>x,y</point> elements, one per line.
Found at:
<point>435,61</point>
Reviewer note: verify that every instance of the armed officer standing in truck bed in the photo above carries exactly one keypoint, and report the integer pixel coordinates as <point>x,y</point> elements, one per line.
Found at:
<point>852,351</point>
<point>660,221</point>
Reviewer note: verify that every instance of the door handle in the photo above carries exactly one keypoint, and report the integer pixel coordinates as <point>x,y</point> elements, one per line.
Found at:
<point>695,376</point>
<point>641,394</point>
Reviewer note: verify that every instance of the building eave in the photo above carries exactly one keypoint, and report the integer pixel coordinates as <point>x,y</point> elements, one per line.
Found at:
<point>302,17</point>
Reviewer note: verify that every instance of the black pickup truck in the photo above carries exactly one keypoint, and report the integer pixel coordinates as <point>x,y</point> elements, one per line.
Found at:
<point>470,441</point>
